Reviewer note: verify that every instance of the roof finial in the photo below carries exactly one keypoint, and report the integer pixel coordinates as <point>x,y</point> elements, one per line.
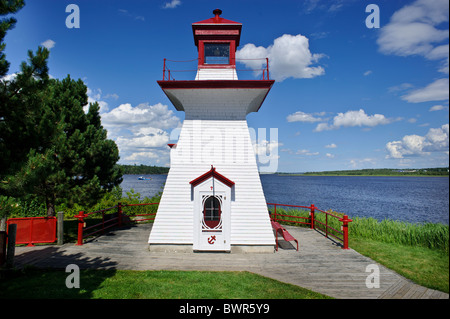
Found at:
<point>217,13</point>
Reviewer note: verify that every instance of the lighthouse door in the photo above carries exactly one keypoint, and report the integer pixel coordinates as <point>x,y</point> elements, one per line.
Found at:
<point>211,221</point>
<point>211,194</point>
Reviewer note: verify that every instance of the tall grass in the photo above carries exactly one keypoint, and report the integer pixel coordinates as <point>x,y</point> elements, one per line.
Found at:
<point>429,235</point>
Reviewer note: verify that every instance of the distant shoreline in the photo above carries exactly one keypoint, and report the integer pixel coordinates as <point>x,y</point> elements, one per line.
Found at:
<point>343,175</point>
<point>382,172</point>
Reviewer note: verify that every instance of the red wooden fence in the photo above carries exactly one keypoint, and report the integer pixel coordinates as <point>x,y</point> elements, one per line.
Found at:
<point>34,230</point>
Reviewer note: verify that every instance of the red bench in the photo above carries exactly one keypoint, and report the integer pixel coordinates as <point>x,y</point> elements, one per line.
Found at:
<point>280,229</point>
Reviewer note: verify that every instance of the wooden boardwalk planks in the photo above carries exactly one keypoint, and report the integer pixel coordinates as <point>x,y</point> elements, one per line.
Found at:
<point>320,264</point>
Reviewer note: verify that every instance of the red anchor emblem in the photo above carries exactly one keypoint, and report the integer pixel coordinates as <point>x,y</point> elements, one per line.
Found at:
<point>211,240</point>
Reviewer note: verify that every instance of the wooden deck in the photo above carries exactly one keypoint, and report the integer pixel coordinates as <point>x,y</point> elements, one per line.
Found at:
<point>320,264</point>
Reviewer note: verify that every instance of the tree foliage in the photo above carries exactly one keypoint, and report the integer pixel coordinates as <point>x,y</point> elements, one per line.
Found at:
<point>51,148</point>
<point>7,7</point>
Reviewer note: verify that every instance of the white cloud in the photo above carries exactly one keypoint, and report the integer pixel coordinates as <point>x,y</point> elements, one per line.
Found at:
<point>412,30</point>
<point>331,145</point>
<point>139,156</point>
<point>436,140</point>
<point>400,88</point>
<point>48,44</point>
<point>157,116</point>
<point>420,28</point>
<point>96,96</point>
<point>436,91</point>
<point>354,118</point>
<point>141,132</point>
<point>172,4</point>
<point>111,96</point>
<point>438,137</point>
<point>307,153</point>
<point>264,147</point>
<point>289,56</point>
<point>368,72</point>
<point>410,38</point>
<point>155,157</point>
<point>9,77</point>
<point>438,108</point>
<point>148,137</point>
<point>330,6</point>
<point>304,117</point>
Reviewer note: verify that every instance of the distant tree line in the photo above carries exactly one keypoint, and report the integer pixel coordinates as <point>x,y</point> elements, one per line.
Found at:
<point>439,171</point>
<point>143,169</point>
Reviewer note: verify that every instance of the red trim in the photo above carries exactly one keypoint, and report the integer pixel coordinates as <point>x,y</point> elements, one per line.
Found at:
<point>217,66</point>
<point>215,20</point>
<point>171,145</point>
<point>212,223</point>
<point>216,32</point>
<point>217,84</point>
<point>201,53</point>
<point>211,173</point>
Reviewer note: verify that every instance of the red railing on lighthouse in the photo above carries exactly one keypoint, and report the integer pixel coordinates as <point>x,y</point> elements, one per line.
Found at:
<point>168,72</point>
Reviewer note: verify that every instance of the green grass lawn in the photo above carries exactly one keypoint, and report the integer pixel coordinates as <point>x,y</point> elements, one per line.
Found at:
<point>128,284</point>
<point>425,266</point>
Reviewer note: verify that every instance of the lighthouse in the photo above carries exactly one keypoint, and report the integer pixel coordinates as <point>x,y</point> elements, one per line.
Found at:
<point>213,199</point>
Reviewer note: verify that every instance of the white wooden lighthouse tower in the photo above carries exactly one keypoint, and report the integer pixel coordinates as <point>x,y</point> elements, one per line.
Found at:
<point>213,199</point>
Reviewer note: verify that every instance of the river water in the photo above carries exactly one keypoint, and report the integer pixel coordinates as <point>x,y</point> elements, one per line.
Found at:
<point>412,199</point>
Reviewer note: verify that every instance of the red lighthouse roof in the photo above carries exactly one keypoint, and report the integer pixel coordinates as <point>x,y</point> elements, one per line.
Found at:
<point>217,28</point>
<point>216,19</point>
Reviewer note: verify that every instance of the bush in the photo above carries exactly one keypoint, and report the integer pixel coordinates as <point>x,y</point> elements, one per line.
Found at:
<point>35,207</point>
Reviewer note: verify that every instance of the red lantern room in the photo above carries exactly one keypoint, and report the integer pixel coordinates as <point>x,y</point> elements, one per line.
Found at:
<point>216,40</point>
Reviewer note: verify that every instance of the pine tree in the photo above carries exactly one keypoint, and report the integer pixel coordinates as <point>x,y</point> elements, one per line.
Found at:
<point>74,162</point>
<point>19,102</point>
<point>49,146</point>
<point>7,7</point>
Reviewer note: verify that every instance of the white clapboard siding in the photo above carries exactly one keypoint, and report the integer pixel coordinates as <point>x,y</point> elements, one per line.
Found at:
<point>216,74</point>
<point>226,145</point>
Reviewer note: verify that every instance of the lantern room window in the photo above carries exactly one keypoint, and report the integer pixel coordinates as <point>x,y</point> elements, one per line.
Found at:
<point>217,53</point>
<point>211,212</point>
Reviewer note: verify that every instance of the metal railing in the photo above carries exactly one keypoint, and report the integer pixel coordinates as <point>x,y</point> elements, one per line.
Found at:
<point>168,72</point>
<point>318,219</point>
<point>311,216</point>
<point>111,217</point>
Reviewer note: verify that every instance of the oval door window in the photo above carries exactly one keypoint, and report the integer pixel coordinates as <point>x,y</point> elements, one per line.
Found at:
<point>211,212</point>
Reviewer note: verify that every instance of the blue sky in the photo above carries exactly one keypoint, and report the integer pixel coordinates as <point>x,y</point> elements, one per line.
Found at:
<point>346,96</point>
